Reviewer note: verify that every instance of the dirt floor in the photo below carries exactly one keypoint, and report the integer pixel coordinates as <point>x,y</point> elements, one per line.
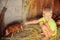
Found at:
<point>31,32</point>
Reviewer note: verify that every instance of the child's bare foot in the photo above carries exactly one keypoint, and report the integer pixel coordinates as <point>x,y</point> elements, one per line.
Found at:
<point>45,38</point>
<point>42,34</point>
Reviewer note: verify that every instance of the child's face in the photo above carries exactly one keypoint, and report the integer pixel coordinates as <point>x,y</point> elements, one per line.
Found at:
<point>47,14</point>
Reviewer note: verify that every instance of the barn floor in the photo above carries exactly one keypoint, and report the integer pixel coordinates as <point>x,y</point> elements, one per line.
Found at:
<point>31,32</point>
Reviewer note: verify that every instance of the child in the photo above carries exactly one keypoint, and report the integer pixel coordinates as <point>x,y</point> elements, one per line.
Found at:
<point>46,23</point>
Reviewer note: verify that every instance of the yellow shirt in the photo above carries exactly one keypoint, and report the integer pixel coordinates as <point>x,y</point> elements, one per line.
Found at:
<point>52,25</point>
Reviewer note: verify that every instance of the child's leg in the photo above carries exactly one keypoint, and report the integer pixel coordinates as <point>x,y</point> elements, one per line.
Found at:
<point>46,33</point>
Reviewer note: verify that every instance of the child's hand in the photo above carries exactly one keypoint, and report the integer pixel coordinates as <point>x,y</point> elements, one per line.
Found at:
<point>26,23</point>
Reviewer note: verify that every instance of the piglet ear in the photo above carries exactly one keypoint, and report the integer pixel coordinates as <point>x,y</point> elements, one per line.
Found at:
<point>6,33</point>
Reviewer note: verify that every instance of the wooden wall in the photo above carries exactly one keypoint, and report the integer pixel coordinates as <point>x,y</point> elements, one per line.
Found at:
<point>56,9</point>
<point>36,6</point>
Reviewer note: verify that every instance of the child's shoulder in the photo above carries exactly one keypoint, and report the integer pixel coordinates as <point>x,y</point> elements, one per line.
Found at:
<point>52,20</point>
<point>41,19</point>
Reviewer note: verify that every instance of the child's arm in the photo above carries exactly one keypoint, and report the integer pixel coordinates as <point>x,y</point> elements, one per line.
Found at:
<point>32,22</point>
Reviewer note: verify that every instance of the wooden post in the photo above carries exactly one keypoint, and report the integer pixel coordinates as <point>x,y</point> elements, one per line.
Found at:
<point>2,20</point>
<point>2,14</point>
